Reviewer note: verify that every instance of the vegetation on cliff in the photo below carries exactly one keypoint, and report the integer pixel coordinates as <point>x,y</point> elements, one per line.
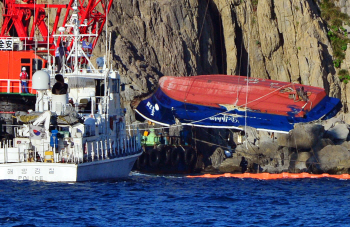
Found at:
<point>337,33</point>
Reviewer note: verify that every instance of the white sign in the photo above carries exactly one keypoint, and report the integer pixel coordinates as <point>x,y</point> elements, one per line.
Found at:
<point>6,44</point>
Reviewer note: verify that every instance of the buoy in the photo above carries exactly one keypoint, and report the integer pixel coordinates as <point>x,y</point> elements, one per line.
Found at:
<point>273,176</point>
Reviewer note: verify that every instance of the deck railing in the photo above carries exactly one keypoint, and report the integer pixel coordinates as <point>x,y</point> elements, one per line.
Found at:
<point>14,86</point>
<point>94,151</point>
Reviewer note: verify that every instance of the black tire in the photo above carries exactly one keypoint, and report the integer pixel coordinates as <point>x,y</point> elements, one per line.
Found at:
<point>167,154</point>
<point>175,156</point>
<point>154,158</point>
<point>190,156</point>
<point>141,161</point>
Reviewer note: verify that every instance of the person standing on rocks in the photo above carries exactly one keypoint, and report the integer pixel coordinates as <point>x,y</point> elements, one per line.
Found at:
<point>244,165</point>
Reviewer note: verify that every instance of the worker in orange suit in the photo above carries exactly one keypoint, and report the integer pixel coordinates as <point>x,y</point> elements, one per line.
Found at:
<point>24,77</point>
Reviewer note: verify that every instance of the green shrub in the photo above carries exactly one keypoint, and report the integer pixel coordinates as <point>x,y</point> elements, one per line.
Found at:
<point>336,63</point>
<point>343,72</point>
<point>344,76</point>
<point>336,33</point>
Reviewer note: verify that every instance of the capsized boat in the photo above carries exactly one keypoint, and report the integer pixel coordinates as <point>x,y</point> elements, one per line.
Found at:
<point>225,101</point>
<point>77,134</point>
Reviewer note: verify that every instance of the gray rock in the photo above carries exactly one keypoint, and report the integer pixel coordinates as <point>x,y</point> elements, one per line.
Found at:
<point>231,165</point>
<point>265,136</point>
<point>217,157</point>
<point>252,135</point>
<point>321,144</point>
<point>346,144</point>
<point>338,132</point>
<point>330,123</point>
<point>269,149</point>
<point>278,163</point>
<point>301,162</point>
<point>303,136</point>
<point>333,159</point>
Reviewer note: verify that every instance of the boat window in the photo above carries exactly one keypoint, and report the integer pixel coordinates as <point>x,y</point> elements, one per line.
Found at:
<point>115,86</point>
<point>99,87</point>
<point>84,106</point>
<point>25,60</point>
<point>37,64</point>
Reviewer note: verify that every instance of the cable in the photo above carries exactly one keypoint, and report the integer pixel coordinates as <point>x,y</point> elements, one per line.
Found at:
<point>247,86</point>
<point>205,14</point>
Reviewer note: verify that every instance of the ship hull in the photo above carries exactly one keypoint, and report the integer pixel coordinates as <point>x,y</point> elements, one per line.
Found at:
<point>107,169</point>
<point>163,109</point>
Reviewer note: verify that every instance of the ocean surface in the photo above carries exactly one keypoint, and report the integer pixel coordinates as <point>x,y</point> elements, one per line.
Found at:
<point>151,200</point>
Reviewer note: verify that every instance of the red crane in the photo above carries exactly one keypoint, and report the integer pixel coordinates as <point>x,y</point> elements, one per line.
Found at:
<point>26,37</point>
<point>28,20</point>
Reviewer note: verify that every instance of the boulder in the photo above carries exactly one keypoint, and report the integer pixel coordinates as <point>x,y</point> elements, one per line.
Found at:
<point>217,157</point>
<point>303,136</point>
<point>252,135</point>
<point>330,123</point>
<point>346,144</point>
<point>333,159</point>
<point>231,165</point>
<point>301,162</point>
<point>338,132</point>
<point>321,144</point>
<point>278,163</point>
<point>265,136</point>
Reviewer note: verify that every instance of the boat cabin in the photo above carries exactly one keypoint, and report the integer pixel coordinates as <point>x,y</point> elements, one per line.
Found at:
<point>10,68</point>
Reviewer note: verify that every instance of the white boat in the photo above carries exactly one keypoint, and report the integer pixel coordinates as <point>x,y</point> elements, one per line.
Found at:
<point>77,136</point>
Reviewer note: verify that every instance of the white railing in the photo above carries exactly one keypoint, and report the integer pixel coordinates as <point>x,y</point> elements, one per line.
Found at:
<point>94,151</point>
<point>104,149</point>
<point>11,88</point>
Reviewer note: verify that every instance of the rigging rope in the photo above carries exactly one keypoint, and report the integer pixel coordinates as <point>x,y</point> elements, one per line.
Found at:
<point>205,14</point>
<point>247,90</point>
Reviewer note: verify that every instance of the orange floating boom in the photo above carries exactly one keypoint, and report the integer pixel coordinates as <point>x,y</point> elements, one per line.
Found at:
<point>273,176</point>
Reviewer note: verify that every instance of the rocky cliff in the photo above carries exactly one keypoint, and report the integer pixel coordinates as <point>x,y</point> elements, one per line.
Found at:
<point>282,40</point>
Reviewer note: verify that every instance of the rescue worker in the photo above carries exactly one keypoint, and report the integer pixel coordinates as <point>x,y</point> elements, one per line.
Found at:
<point>60,56</point>
<point>244,165</point>
<point>59,88</point>
<point>23,77</point>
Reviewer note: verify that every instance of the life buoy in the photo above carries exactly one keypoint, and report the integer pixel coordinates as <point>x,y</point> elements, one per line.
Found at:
<point>154,158</point>
<point>175,156</point>
<point>189,156</point>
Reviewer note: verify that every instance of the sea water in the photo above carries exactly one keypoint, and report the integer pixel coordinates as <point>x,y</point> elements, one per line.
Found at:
<point>152,200</point>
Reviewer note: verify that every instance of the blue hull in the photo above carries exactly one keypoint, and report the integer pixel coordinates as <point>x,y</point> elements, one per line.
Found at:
<point>161,109</point>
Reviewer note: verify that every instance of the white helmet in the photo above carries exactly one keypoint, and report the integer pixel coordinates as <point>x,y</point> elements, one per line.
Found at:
<point>24,68</point>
